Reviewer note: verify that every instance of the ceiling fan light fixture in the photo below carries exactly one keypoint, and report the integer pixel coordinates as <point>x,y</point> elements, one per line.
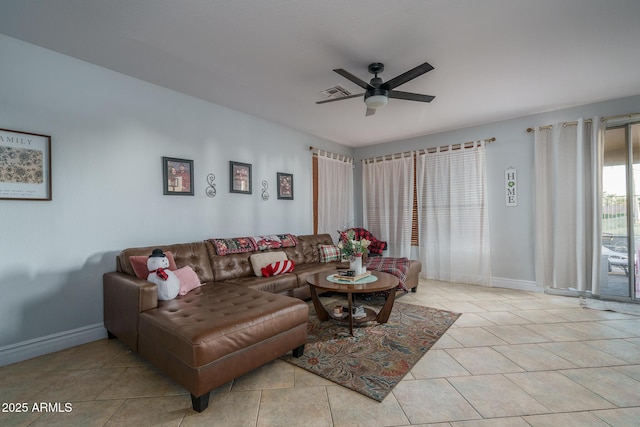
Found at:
<point>377,92</point>
<point>376,101</point>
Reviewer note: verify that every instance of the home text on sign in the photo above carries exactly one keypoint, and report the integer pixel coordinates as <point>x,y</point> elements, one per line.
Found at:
<point>511,187</point>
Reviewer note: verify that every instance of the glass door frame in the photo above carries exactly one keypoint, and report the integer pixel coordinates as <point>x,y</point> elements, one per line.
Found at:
<point>630,212</point>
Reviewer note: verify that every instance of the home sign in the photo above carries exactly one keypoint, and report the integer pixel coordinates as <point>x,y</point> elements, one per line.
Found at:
<point>511,187</point>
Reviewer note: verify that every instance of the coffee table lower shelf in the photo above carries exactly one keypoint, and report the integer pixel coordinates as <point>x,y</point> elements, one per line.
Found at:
<point>319,283</point>
<point>370,315</point>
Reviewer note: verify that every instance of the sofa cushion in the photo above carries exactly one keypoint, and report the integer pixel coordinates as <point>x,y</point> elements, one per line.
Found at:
<point>282,284</point>
<point>139,264</point>
<point>329,253</point>
<point>261,260</point>
<point>232,266</point>
<point>218,319</point>
<point>188,279</point>
<point>307,249</point>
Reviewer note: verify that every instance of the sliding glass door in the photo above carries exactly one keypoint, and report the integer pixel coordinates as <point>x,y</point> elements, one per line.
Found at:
<point>621,213</point>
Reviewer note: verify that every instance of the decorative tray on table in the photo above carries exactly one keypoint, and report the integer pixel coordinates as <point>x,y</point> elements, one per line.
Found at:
<point>347,276</point>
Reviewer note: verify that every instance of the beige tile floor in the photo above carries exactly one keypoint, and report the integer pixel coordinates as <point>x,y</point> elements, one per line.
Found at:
<point>512,359</point>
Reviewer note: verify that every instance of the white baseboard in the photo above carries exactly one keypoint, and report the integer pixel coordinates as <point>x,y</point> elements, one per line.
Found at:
<point>51,343</point>
<point>520,285</point>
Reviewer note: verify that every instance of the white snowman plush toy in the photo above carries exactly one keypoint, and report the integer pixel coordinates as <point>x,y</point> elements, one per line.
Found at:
<point>159,273</point>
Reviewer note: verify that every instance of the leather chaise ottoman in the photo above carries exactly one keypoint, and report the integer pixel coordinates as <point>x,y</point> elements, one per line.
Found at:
<point>216,333</point>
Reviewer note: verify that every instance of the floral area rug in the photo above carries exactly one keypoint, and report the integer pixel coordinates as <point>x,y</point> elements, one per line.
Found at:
<point>379,355</point>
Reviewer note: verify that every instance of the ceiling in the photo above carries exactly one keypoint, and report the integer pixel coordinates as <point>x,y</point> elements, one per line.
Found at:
<point>493,59</point>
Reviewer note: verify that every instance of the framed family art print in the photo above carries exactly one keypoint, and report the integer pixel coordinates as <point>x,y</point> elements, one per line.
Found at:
<point>285,185</point>
<point>239,177</point>
<point>25,165</point>
<point>178,176</point>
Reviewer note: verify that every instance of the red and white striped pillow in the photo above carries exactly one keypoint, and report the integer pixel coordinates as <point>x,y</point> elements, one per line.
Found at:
<point>276,268</point>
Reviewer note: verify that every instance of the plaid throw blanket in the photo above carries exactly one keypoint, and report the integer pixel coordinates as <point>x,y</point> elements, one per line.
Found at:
<point>399,267</point>
<point>376,247</point>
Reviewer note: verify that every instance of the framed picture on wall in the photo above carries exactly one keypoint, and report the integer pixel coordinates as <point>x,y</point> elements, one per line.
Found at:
<point>240,178</point>
<point>25,165</point>
<point>178,177</point>
<point>285,186</point>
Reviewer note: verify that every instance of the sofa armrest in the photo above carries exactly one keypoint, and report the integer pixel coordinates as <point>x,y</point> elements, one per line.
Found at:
<point>124,298</point>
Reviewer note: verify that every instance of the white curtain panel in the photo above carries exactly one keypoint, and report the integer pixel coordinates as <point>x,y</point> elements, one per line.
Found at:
<point>387,202</point>
<point>567,208</point>
<point>335,194</point>
<point>453,215</point>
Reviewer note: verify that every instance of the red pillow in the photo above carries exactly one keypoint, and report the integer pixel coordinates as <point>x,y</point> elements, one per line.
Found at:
<point>277,268</point>
<point>188,279</point>
<point>139,264</point>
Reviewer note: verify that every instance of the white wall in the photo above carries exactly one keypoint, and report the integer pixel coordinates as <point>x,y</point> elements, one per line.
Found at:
<point>511,228</point>
<point>109,133</point>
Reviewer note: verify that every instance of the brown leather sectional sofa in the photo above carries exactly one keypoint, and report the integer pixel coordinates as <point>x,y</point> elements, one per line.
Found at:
<point>234,323</point>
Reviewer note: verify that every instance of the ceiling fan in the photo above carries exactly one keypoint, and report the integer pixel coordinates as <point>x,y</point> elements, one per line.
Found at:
<point>377,93</point>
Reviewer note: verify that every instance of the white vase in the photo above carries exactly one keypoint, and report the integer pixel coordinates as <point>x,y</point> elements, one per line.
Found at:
<point>355,264</point>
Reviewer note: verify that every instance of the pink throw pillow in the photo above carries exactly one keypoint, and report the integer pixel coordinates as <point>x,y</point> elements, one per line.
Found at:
<point>277,268</point>
<point>139,264</point>
<point>188,279</point>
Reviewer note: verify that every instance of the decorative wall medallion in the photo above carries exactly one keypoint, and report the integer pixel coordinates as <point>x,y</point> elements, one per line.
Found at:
<point>265,195</point>
<point>211,189</point>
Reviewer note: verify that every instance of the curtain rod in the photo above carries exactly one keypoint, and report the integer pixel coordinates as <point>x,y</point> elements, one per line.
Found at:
<point>565,124</point>
<point>429,150</point>
<point>331,155</point>
<point>602,119</point>
<point>624,116</point>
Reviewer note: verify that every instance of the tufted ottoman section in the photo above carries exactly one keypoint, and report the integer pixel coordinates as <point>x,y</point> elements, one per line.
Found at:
<point>219,319</point>
<point>219,332</point>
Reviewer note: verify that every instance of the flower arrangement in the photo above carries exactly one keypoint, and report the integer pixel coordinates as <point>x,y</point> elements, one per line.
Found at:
<point>351,247</point>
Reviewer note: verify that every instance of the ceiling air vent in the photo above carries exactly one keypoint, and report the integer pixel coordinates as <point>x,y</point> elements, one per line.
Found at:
<point>335,92</point>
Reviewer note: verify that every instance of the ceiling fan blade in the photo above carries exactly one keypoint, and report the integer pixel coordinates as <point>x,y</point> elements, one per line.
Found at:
<point>409,75</point>
<point>340,99</point>
<point>409,96</point>
<point>370,112</point>
<point>347,75</point>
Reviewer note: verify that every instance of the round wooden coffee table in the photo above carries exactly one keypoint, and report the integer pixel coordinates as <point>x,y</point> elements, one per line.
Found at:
<point>318,284</point>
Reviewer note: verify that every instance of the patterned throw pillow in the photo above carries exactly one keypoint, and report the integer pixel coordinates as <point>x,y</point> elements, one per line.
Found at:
<point>277,268</point>
<point>329,253</point>
<point>267,242</point>
<point>235,245</point>
<point>288,240</point>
